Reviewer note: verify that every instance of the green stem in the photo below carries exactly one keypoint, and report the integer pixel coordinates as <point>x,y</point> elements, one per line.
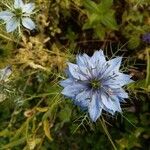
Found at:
<point>7,38</point>
<point>107,133</point>
<point>148,67</point>
<point>40,95</point>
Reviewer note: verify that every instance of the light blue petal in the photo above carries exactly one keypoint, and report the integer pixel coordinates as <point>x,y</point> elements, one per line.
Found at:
<point>113,85</point>
<point>83,99</point>
<point>97,61</point>
<point>67,82</point>
<point>112,66</point>
<point>91,65</point>
<point>115,102</point>
<point>6,15</point>
<point>86,71</point>
<point>82,60</point>
<point>98,58</point>
<point>11,25</point>
<point>108,110</point>
<point>28,23</point>
<point>111,102</point>
<point>123,79</point>
<point>18,4</point>
<point>121,93</point>
<point>115,63</point>
<point>117,80</point>
<point>68,73</point>
<point>75,72</point>
<point>73,90</point>
<point>94,107</point>
<point>28,8</point>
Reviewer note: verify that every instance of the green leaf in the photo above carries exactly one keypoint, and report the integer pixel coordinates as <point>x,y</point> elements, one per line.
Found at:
<point>65,114</point>
<point>137,85</point>
<point>94,19</point>
<point>123,143</point>
<point>4,133</point>
<point>86,26</point>
<point>106,4</point>
<point>91,6</point>
<point>20,131</point>
<point>134,42</point>
<point>109,20</point>
<point>14,143</point>
<point>100,15</point>
<point>100,32</point>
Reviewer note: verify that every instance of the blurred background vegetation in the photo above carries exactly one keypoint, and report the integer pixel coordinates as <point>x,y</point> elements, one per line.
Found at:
<point>33,113</point>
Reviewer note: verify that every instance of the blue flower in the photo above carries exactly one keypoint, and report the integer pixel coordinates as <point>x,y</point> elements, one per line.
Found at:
<point>17,15</point>
<point>95,84</point>
<point>146,37</point>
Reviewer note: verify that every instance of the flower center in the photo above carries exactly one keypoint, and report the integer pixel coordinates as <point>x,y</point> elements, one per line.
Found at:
<point>95,84</point>
<point>18,12</point>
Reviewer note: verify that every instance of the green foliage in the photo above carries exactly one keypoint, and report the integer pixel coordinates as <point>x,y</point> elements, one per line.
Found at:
<point>145,83</point>
<point>135,23</point>
<point>33,113</point>
<point>100,17</point>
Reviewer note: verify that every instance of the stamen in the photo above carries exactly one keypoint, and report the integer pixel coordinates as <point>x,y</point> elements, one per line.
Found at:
<point>95,84</point>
